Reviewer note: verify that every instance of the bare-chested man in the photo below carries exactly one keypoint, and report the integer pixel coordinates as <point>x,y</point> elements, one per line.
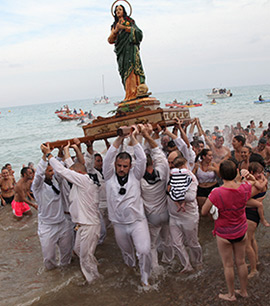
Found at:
<point>20,204</point>
<point>220,152</point>
<point>263,150</point>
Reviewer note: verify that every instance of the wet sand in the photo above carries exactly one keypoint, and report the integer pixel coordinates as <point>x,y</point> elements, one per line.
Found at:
<point>25,282</point>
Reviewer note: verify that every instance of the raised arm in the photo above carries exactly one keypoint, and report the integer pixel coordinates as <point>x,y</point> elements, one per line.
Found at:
<point>146,131</point>
<point>182,132</point>
<point>77,148</point>
<point>89,157</point>
<point>40,172</point>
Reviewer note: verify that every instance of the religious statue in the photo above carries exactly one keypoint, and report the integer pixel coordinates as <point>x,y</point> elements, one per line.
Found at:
<point>138,107</point>
<point>126,37</point>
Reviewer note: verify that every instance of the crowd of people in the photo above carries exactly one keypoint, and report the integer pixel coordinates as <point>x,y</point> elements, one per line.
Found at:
<point>151,187</point>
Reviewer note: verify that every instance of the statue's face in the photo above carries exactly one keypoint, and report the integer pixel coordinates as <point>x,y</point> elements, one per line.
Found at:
<point>119,11</point>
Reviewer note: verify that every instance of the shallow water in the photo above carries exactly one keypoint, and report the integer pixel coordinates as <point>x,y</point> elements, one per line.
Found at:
<point>25,128</point>
<point>25,282</point>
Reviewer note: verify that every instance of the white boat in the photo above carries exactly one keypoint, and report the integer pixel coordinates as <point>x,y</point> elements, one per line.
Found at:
<point>219,93</point>
<point>103,99</point>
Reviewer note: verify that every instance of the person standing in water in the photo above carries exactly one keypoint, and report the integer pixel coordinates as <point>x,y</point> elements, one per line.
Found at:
<point>21,204</point>
<point>231,225</point>
<point>125,204</point>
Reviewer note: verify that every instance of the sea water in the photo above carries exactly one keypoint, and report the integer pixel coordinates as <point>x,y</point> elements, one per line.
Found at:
<point>23,279</point>
<point>24,128</point>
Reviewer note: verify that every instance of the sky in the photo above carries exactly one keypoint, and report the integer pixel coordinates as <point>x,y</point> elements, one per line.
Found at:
<point>57,50</point>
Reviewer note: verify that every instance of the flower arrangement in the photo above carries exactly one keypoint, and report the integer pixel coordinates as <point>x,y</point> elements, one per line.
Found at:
<point>128,21</point>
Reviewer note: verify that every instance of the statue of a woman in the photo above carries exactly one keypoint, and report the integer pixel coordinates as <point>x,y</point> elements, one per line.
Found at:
<point>127,37</point>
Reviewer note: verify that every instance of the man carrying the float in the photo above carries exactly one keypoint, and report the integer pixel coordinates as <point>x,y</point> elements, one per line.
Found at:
<point>153,188</point>
<point>125,205</point>
<point>83,209</point>
<point>53,228</point>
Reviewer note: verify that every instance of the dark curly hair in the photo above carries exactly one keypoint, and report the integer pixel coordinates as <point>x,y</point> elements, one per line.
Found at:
<point>124,15</point>
<point>201,154</point>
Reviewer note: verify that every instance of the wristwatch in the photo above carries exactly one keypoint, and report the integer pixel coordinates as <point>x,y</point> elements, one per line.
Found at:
<point>48,154</point>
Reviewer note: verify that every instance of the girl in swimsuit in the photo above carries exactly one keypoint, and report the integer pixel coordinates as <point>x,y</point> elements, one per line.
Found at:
<point>206,172</point>
<point>7,184</point>
<point>256,170</point>
<point>254,216</point>
<point>245,155</point>
<point>237,143</point>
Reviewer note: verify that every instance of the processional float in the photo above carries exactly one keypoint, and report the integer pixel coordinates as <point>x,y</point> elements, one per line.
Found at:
<point>138,107</point>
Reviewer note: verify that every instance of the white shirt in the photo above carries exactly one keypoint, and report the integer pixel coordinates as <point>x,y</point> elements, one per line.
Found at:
<point>50,209</point>
<point>154,195</point>
<point>89,164</point>
<point>127,208</point>
<point>64,190</point>
<point>191,212</point>
<point>188,153</point>
<point>83,195</point>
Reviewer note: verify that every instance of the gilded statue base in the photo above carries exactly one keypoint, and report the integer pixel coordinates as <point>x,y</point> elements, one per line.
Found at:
<point>147,102</point>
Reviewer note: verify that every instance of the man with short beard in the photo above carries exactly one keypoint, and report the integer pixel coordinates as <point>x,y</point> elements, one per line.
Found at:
<point>125,204</point>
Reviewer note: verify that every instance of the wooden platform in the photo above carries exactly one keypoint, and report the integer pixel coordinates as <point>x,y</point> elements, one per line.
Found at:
<point>144,110</point>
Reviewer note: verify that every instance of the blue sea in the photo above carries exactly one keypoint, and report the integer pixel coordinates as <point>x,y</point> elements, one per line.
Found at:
<point>25,128</point>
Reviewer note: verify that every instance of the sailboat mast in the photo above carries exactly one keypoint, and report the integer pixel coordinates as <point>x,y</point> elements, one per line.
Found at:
<point>103,88</point>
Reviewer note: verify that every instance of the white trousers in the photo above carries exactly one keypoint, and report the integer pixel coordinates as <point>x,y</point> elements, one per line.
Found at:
<point>160,238</point>
<point>85,245</point>
<point>186,235</point>
<point>135,235</point>
<point>104,222</point>
<point>55,235</point>
<point>71,226</point>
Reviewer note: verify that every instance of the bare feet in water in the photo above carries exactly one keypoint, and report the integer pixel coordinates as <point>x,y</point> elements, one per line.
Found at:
<point>253,273</point>
<point>186,271</point>
<point>265,223</point>
<point>227,297</point>
<point>243,294</point>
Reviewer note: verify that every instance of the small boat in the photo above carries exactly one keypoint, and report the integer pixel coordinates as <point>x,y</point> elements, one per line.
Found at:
<point>218,93</point>
<point>67,117</point>
<point>261,101</point>
<point>103,99</point>
<point>63,109</point>
<point>178,105</point>
<point>85,121</point>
